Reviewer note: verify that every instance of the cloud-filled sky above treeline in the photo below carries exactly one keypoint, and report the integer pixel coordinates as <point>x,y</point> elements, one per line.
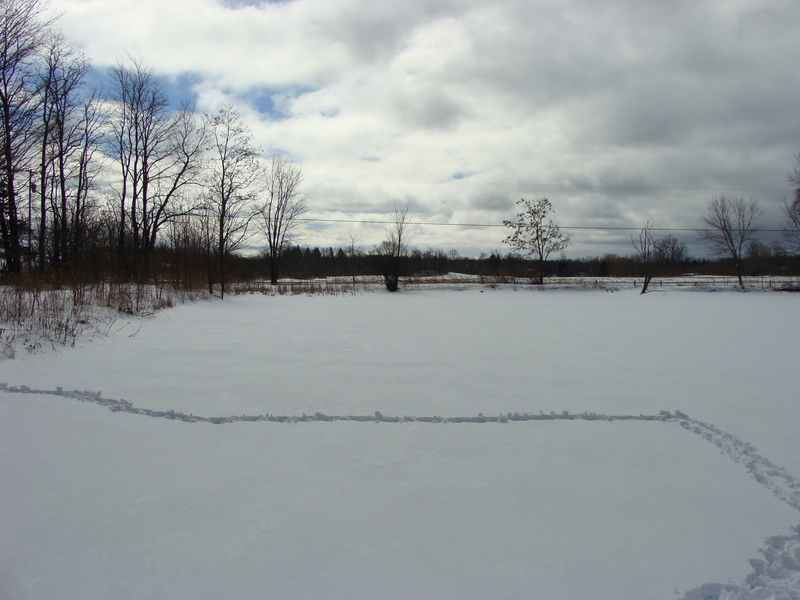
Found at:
<point>617,111</point>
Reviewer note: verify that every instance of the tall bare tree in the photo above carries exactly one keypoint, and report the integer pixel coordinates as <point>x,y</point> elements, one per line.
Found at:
<point>792,211</point>
<point>535,234</point>
<point>792,231</point>
<point>159,154</point>
<point>23,30</point>
<point>392,251</point>
<point>70,124</point>
<point>280,213</point>
<point>353,251</point>
<point>645,246</point>
<point>231,184</point>
<point>728,227</point>
<point>83,217</point>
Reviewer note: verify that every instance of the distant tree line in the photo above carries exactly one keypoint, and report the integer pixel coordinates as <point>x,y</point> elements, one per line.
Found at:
<point>301,262</point>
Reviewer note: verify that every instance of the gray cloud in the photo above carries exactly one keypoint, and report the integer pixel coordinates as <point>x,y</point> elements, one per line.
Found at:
<point>617,111</point>
<point>493,202</point>
<point>429,110</point>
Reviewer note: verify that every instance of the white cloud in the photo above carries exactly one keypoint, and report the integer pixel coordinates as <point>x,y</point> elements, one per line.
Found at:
<point>617,111</point>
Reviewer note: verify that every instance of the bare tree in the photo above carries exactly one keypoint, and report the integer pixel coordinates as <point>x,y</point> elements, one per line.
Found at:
<point>729,226</point>
<point>231,184</point>
<point>534,234</point>
<point>281,211</point>
<point>23,31</point>
<point>353,251</point>
<point>70,124</point>
<point>159,154</point>
<point>391,251</point>
<point>645,247</point>
<point>792,211</point>
<point>83,171</point>
<point>792,231</point>
<point>670,252</point>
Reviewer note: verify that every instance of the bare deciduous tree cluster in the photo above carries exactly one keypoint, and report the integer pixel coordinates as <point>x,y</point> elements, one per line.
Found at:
<point>657,255</point>
<point>173,181</point>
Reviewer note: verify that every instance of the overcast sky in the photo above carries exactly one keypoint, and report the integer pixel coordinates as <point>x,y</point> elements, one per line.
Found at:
<point>618,112</point>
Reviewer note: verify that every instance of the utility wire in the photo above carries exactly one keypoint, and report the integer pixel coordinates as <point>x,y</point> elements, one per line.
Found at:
<point>573,227</point>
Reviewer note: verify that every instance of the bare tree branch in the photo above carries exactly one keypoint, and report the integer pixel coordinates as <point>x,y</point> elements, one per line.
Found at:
<point>23,32</point>
<point>792,232</point>
<point>394,248</point>
<point>284,204</point>
<point>158,152</point>
<point>729,225</point>
<point>645,247</point>
<point>231,183</point>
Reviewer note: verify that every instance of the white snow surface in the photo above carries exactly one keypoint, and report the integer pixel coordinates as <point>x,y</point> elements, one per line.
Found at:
<point>98,503</point>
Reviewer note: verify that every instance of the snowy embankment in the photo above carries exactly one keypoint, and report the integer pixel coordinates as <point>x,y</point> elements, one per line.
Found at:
<point>481,491</point>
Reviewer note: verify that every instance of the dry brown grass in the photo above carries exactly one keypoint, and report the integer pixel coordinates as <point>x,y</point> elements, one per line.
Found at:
<point>36,314</point>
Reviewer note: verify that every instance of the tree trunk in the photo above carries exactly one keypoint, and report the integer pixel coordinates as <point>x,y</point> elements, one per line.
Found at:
<point>9,220</point>
<point>222,274</point>
<point>273,269</point>
<point>42,224</point>
<point>646,283</point>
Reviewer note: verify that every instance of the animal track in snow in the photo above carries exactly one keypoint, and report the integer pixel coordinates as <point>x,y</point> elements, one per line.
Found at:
<point>775,576</point>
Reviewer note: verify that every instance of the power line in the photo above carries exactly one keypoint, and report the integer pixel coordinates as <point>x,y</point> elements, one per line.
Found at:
<point>377,222</point>
<point>572,227</point>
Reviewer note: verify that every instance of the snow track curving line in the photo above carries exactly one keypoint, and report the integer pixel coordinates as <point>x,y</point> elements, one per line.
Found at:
<point>775,478</point>
<point>775,576</point>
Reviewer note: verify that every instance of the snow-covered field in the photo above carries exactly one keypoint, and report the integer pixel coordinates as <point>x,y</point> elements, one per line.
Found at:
<point>533,503</point>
